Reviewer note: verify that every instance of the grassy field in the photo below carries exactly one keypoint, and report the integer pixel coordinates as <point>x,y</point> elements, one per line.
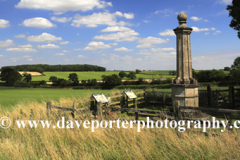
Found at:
<point>54,143</point>
<point>97,75</point>
<point>10,96</point>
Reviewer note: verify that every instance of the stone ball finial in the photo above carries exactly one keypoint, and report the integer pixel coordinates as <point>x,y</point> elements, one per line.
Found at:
<point>182,17</point>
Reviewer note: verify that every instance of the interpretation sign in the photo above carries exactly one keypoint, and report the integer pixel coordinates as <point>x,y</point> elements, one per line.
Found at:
<point>130,94</point>
<point>100,98</point>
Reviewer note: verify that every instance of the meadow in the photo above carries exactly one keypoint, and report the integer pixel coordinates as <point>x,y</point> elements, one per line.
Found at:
<point>10,96</point>
<point>54,143</point>
<point>97,75</point>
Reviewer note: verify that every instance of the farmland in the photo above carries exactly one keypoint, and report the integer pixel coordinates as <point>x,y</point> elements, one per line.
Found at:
<point>97,75</point>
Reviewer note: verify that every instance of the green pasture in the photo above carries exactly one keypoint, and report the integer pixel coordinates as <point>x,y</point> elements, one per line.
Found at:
<point>97,75</point>
<point>9,96</point>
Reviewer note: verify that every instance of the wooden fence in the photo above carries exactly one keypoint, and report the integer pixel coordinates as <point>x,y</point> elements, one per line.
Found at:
<point>73,110</point>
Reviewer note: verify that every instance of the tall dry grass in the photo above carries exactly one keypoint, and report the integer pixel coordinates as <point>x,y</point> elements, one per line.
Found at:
<point>113,143</point>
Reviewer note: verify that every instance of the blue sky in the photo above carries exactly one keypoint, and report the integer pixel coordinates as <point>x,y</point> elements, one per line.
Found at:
<point>116,34</point>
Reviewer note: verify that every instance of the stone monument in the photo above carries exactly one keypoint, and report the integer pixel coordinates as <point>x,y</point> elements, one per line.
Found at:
<point>184,86</point>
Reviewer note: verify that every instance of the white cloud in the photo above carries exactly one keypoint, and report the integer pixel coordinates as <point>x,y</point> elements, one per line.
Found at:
<point>14,59</point>
<point>213,29</point>
<point>152,40</point>
<point>63,5</point>
<point>113,44</point>
<point>115,29</point>
<point>6,43</point>
<point>25,46</point>
<point>119,36</point>
<point>217,32</point>
<point>205,20</point>
<point>20,36</point>
<point>126,15</point>
<point>166,12</point>
<point>58,13</point>
<point>44,37</point>
<point>196,29</point>
<point>147,42</point>
<point>167,32</point>
<point>26,56</point>
<point>64,42</point>
<point>226,1</point>
<point>129,15</point>
<point>48,46</point>
<point>59,54</point>
<point>145,45</point>
<point>162,49</point>
<point>96,45</point>
<point>38,22</point>
<point>123,49</point>
<point>61,19</point>
<point>207,33</point>
<point>101,18</point>
<point>195,18</point>
<point>21,49</point>
<point>146,21</point>
<point>30,59</point>
<point>81,56</point>
<point>4,23</point>
<point>2,56</point>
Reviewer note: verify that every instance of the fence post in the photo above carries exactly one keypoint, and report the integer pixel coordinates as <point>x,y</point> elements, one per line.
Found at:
<point>163,100</point>
<point>48,108</point>
<point>144,95</point>
<point>229,121</point>
<point>231,97</point>
<point>136,113</point>
<point>74,107</point>
<point>177,115</point>
<point>209,95</point>
<point>123,102</point>
<point>99,109</point>
<point>126,102</point>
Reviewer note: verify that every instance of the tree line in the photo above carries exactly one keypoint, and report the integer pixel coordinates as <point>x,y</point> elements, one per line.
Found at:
<point>45,67</point>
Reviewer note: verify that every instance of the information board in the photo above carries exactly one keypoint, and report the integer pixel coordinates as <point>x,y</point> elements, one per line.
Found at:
<point>100,98</point>
<point>130,94</point>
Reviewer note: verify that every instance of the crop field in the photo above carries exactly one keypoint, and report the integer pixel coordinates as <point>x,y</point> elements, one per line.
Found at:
<point>97,75</point>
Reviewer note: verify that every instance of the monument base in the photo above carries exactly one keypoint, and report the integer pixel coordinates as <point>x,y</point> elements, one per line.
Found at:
<point>186,94</point>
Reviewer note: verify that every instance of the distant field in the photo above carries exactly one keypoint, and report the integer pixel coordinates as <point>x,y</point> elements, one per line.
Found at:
<point>9,96</point>
<point>97,75</point>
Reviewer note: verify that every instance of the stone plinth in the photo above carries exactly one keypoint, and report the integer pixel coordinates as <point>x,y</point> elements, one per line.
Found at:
<point>184,86</point>
<point>187,95</point>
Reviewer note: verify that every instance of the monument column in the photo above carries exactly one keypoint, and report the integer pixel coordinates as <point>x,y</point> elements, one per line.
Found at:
<point>184,86</point>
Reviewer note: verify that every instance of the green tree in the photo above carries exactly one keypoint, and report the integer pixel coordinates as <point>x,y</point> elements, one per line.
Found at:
<point>40,70</point>
<point>235,71</point>
<point>140,80</point>
<point>227,69</point>
<point>42,82</point>
<point>112,81</point>
<point>138,71</point>
<point>53,79</point>
<point>10,75</point>
<point>122,74</point>
<point>234,11</point>
<point>131,75</point>
<point>74,77</point>
<point>27,77</point>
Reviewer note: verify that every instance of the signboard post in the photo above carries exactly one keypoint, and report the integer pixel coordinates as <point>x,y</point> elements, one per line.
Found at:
<point>99,99</point>
<point>131,95</point>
